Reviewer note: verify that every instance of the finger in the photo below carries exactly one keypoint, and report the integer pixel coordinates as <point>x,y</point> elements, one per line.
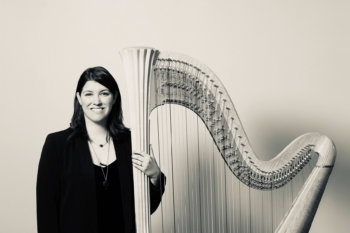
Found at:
<point>138,157</point>
<point>139,167</point>
<point>142,164</point>
<point>139,153</point>
<point>151,151</point>
<point>137,162</point>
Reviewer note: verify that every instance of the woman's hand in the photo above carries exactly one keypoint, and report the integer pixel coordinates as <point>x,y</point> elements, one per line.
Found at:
<point>148,165</point>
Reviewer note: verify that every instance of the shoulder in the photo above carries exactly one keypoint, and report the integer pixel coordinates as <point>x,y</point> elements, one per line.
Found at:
<point>59,136</point>
<point>53,146</point>
<point>124,136</point>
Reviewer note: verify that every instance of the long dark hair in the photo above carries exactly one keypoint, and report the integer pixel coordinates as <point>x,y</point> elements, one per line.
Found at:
<point>115,124</point>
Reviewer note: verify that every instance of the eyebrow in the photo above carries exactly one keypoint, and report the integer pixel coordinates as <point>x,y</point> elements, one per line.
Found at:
<point>99,91</point>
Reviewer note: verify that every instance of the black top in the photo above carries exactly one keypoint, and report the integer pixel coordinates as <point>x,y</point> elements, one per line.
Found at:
<point>109,206</point>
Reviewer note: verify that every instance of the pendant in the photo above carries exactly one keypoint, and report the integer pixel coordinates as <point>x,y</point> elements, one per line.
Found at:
<point>105,184</point>
<point>101,145</point>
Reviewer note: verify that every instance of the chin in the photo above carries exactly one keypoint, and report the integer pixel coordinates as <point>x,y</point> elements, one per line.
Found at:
<point>97,120</point>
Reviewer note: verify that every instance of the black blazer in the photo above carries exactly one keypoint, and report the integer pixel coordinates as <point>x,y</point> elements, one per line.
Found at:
<point>66,192</point>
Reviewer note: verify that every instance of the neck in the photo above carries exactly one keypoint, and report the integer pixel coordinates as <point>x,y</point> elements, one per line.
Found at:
<point>96,131</point>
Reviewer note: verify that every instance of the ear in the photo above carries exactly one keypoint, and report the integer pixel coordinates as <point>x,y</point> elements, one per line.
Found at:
<point>78,97</point>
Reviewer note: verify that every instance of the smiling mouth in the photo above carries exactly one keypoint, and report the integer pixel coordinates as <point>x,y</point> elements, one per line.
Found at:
<point>96,109</point>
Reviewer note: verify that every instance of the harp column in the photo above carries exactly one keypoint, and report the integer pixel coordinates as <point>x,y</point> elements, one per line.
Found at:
<point>138,64</point>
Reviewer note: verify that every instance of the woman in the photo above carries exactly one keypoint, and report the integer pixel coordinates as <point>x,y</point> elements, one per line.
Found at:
<point>85,181</point>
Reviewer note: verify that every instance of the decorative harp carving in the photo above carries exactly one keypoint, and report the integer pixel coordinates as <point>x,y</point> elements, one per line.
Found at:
<point>215,182</point>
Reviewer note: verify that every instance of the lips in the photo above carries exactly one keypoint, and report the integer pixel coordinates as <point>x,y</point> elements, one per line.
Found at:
<point>97,109</point>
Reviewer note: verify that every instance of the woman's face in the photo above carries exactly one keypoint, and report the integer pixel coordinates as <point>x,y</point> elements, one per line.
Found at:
<point>96,101</point>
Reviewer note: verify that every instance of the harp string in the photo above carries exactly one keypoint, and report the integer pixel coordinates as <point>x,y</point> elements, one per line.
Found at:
<point>172,165</point>
<point>199,182</point>
<point>188,175</point>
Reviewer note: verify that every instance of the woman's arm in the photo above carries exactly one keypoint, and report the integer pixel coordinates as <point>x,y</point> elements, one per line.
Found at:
<point>47,188</point>
<point>156,191</point>
<point>147,164</point>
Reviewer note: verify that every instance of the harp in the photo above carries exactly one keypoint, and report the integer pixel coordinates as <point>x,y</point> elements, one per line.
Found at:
<point>215,181</point>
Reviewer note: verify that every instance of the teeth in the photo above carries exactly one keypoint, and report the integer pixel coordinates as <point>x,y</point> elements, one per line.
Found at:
<point>97,109</point>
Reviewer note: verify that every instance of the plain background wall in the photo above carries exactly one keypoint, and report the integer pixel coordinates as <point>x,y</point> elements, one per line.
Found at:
<point>284,63</point>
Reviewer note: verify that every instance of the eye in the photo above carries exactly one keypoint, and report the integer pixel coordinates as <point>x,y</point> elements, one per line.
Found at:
<point>106,93</point>
<point>88,94</point>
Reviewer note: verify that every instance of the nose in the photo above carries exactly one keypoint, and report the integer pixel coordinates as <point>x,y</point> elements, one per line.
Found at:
<point>96,100</point>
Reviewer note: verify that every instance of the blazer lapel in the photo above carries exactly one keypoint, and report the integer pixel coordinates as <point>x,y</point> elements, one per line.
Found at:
<point>82,181</point>
<point>123,152</point>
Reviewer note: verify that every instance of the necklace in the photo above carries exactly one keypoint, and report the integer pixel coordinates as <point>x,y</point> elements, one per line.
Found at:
<point>105,175</point>
<point>101,145</point>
